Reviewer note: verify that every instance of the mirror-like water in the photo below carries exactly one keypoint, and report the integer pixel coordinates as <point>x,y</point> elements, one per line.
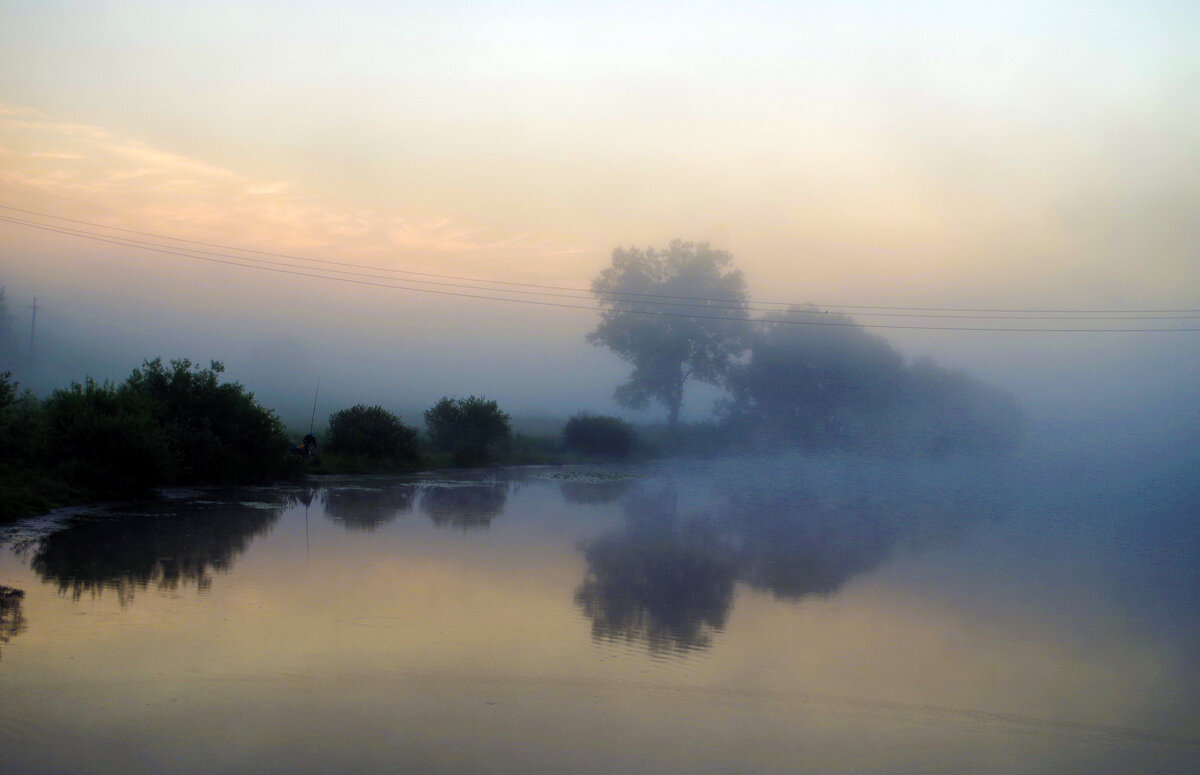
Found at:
<point>749,616</point>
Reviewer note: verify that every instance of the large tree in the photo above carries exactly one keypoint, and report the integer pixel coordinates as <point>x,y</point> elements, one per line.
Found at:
<point>820,380</point>
<point>817,378</point>
<point>675,314</point>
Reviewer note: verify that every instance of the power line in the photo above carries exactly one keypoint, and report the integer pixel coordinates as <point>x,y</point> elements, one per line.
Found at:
<point>741,308</point>
<point>290,270</point>
<point>1071,314</point>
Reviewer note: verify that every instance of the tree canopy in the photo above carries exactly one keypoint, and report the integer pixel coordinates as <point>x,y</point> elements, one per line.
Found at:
<point>817,378</point>
<point>820,380</point>
<point>216,431</point>
<point>595,435</point>
<point>372,432</point>
<point>674,314</point>
<point>471,429</point>
<point>163,425</point>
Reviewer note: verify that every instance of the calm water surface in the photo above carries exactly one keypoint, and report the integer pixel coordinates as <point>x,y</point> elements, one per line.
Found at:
<point>751,616</point>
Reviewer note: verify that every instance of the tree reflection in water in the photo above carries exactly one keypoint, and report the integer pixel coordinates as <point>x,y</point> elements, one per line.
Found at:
<point>167,545</point>
<point>668,585</point>
<point>666,578</point>
<point>464,505</point>
<point>589,492</point>
<point>366,508</point>
<point>792,545</point>
<point>12,619</point>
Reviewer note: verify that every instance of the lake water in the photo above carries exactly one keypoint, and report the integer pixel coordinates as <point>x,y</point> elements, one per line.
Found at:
<point>763,616</point>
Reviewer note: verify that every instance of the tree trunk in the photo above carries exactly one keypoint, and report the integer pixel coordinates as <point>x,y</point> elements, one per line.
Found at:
<point>674,402</point>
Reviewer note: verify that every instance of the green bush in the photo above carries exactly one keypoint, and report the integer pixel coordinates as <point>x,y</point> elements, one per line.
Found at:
<point>597,435</point>
<point>373,432</point>
<point>472,430</point>
<point>104,439</point>
<point>163,425</point>
<point>20,416</point>
<point>216,433</point>
<point>8,389</point>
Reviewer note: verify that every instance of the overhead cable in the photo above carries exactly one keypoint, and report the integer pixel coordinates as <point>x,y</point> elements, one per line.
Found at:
<point>319,272</point>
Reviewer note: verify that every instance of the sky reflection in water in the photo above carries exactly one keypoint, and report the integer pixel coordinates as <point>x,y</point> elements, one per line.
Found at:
<point>761,616</point>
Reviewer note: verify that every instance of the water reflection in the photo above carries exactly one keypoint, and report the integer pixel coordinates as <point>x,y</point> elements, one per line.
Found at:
<point>366,508</point>
<point>667,584</point>
<point>167,545</point>
<point>666,577</point>
<point>466,505</point>
<point>594,490</point>
<point>791,544</point>
<point>12,618</point>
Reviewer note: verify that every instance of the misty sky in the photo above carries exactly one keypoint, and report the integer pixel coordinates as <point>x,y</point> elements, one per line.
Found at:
<point>1019,155</point>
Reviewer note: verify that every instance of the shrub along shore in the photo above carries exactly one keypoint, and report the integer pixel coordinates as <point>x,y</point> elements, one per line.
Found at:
<point>178,424</point>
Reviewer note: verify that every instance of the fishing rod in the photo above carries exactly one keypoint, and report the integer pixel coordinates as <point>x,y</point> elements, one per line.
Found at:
<point>312,423</point>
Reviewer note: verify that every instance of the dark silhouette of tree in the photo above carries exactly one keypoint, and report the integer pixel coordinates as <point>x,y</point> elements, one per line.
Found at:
<point>831,384</point>
<point>371,432</point>
<point>366,508</point>
<point>471,429</point>
<point>598,436</point>
<point>668,344</point>
<point>105,439</point>
<point>217,432</point>
<point>464,505</point>
<point>8,390</point>
<point>949,410</point>
<point>23,480</point>
<point>819,385</point>
<point>176,425</point>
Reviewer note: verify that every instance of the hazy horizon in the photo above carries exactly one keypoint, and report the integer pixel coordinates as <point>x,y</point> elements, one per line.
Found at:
<point>1038,156</point>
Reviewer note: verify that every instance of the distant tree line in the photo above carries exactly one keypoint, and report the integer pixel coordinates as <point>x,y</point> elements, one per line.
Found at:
<point>598,436</point>
<point>800,377</point>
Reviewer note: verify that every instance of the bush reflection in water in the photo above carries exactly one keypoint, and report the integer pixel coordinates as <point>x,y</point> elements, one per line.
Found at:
<point>12,619</point>
<point>466,503</point>
<point>366,508</point>
<point>167,545</point>
<point>665,578</point>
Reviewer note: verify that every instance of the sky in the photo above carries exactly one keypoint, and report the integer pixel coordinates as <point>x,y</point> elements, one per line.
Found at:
<point>1039,155</point>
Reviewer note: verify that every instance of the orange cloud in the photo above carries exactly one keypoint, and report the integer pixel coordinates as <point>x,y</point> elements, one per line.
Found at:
<point>88,173</point>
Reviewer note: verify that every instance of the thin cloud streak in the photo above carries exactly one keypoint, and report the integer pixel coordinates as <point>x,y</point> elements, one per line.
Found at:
<point>87,172</point>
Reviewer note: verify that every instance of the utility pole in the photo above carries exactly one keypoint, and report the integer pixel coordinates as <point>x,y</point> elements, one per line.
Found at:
<point>32,328</point>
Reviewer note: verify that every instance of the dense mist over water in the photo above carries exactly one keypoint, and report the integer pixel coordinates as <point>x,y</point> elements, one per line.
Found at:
<point>537,363</point>
<point>967,606</point>
<point>891,312</point>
